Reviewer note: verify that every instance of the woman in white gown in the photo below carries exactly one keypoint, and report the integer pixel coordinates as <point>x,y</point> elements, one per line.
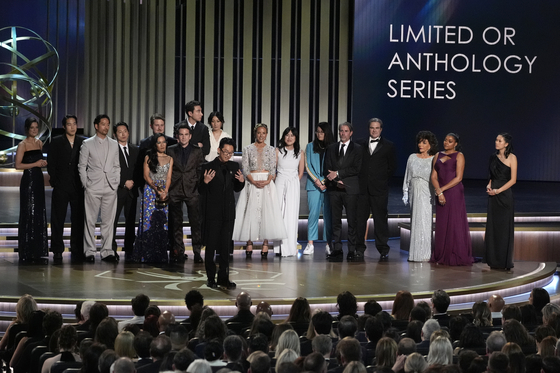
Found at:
<point>217,133</point>
<point>257,212</point>
<point>289,171</point>
<point>418,191</point>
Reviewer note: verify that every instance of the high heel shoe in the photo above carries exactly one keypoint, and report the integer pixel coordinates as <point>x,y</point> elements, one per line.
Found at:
<point>249,253</point>
<point>264,254</point>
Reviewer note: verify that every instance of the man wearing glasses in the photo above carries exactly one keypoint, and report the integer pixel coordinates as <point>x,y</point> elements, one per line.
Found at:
<point>219,180</point>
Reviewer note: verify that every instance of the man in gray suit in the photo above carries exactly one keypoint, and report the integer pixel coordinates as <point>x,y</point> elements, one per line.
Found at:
<point>100,172</point>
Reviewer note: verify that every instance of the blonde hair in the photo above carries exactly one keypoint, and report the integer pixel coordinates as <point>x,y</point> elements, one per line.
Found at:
<point>287,356</point>
<point>25,306</point>
<point>124,345</point>
<point>259,125</point>
<point>288,340</point>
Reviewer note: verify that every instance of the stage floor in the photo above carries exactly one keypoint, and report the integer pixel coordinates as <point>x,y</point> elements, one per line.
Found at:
<point>278,280</point>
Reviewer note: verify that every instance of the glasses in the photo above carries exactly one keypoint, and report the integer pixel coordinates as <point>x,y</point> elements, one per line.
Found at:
<point>319,132</point>
<point>227,154</point>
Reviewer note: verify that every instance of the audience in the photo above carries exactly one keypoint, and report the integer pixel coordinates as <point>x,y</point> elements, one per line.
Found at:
<point>139,304</point>
<point>496,303</point>
<point>440,304</point>
<point>347,305</point>
<point>402,305</point>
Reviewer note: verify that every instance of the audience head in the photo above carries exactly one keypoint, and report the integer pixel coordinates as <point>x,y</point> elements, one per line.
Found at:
<point>199,366</point>
<point>415,363</point>
<point>160,346</point>
<point>440,301</point>
<point>322,344</point>
<point>402,305</point>
<point>243,301</point>
<point>142,343</point>
<point>151,325</point>
<point>495,342</point>
<point>440,352</point>
<point>547,347</point>
<point>515,332</point>
<point>322,322</point>
<point>124,345</point>
<point>517,362</point>
<point>386,352</point>
<point>258,342</point>
<point>25,306</point>
<point>124,365</point>
<point>539,298</point>
<point>107,332</point>
<point>277,332</point>
<point>106,360</point>
<point>183,359</point>
<point>385,319</point>
<point>374,329</point>
<point>543,331</point>
<point>233,348</point>
<point>471,337</point>
<point>194,299</point>
<point>51,322</point>
<point>152,310</point>
<point>288,340</point>
<point>139,304</point>
<point>371,307</point>
<point>355,367</point>
<point>511,348</point>
<point>533,363</point>
<point>179,336</point>
<point>406,346</point>
<point>456,326</point>
<point>496,303</point>
<point>393,333</point>
<point>465,359</point>
<point>35,328</point>
<point>498,363</point>
<point>97,313</point>
<point>90,359</point>
<point>264,307</point>
<point>315,362</point>
<point>260,362</point>
<point>511,312</point>
<point>214,328</point>
<point>418,313</point>
<point>347,327</point>
<point>482,316</point>
<point>528,315</point>
<point>548,310</point>
<point>213,350</point>
<point>347,304</point>
<point>440,333</point>
<point>165,319</point>
<point>285,362</point>
<point>414,330</point>
<point>300,311</point>
<point>262,324</point>
<point>426,307</point>
<point>429,327</point>
<point>86,308</point>
<point>68,338</point>
<point>349,349</point>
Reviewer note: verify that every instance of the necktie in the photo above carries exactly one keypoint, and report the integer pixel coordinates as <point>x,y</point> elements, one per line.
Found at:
<point>341,152</point>
<point>377,140</point>
<point>126,155</point>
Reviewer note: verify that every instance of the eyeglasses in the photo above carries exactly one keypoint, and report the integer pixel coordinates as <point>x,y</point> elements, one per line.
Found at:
<point>227,154</point>
<point>319,132</point>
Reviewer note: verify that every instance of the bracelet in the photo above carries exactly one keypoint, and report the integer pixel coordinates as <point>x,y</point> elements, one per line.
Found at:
<point>495,191</point>
<point>440,194</point>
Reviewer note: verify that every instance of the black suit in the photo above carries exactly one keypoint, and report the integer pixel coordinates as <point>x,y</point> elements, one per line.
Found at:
<point>126,198</point>
<point>348,167</point>
<point>218,214</point>
<point>145,145</point>
<point>184,188</point>
<point>200,134</point>
<point>67,188</point>
<point>377,169</point>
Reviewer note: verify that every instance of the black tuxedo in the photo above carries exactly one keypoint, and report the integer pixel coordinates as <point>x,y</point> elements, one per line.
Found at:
<point>348,167</point>
<point>145,145</point>
<point>184,188</point>
<point>67,188</point>
<point>218,214</point>
<point>377,169</point>
<point>200,134</point>
<point>126,198</point>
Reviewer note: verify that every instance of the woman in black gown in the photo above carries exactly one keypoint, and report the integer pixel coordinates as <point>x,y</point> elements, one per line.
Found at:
<point>32,231</point>
<point>499,222</point>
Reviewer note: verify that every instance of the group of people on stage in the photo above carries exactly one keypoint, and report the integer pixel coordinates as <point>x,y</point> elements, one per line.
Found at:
<point>430,175</point>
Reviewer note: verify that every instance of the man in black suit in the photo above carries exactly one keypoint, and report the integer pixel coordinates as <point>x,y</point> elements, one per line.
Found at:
<point>157,124</point>
<point>159,348</point>
<point>62,165</point>
<point>127,192</point>
<point>343,161</point>
<point>199,131</point>
<point>185,177</point>
<point>378,165</point>
<point>220,179</point>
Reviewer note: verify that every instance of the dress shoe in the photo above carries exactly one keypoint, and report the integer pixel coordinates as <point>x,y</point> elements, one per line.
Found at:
<point>197,258</point>
<point>358,257</point>
<point>57,257</point>
<point>327,250</point>
<point>110,259</point>
<point>128,258</point>
<point>230,285</point>
<point>264,254</point>
<point>177,260</point>
<point>211,284</point>
<point>335,256</point>
<point>350,256</point>
<point>309,249</point>
<point>185,256</point>
<point>384,258</point>
<point>248,254</point>
<point>90,259</point>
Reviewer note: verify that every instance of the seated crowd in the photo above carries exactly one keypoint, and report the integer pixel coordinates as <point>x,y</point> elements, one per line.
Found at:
<point>415,337</point>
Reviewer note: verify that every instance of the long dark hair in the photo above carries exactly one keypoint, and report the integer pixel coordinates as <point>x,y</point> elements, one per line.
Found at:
<point>152,153</point>
<point>282,143</point>
<point>218,115</point>
<point>508,139</point>
<point>320,146</point>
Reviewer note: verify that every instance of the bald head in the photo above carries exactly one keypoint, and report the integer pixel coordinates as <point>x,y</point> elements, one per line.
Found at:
<point>124,365</point>
<point>243,301</point>
<point>496,303</point>
<point>264,307</point>
<point>165,319</point>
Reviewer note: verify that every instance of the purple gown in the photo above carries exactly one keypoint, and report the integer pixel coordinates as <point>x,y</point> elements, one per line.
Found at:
<point>452,237</point>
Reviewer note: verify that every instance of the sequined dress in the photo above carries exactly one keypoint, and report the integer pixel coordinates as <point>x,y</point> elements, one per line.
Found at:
<point>419,190</point>
<point>258,215</point>
<point>32,230</point>
<point>151,244</point>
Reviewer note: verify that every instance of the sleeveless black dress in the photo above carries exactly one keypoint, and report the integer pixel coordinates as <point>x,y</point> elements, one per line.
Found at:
<point>32,230</point>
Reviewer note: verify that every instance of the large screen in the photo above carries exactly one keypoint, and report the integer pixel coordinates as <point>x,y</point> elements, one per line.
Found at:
<point>475,68</point>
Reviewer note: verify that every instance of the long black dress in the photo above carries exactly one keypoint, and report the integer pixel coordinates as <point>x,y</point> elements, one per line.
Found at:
<point>32,231</point>
<point>499,224</point>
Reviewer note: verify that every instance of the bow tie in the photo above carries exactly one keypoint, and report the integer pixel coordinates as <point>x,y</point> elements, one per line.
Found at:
<point>374,140</point>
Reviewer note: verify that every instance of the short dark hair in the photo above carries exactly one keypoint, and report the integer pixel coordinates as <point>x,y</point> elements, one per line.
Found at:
<point>350,349</point>
<point>432,140</point>
<point>156,116</point>
<point>183,126</point>
<point>260,364</point>
<point>193,297</point>
<point>28,122</point>
<point>218,115</point>
<point>371,307</point>
<point>418,313</point>
<point>347,327</point>
<point>322,322</point>
<point>152,310</point>
<point>142,342</point>
<point>347,124</point>
<point>347,304</point>
<point>233,347</point>
<point>374,329</point>
<point>139,304</point>
<point>258,342</point>
<point>498,362</point>
<point>441,300</point>
<point>160,346</point>
<point>227,141</point>
<point>511,312</point>
<point>120,124</point>
<point>97,313</point>
<point>98,118</point>
<point>189,106</point>
<point>406,346</point>
<point>314,362</point>
<point>68,337</point>
<point>183,359</point>
<point>68,116</point>
<point>52,321</point>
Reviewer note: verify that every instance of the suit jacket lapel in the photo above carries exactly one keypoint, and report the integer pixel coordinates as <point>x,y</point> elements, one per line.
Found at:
<point>379,145</point>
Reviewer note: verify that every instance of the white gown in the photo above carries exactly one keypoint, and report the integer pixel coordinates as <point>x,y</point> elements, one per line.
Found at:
<point>288,191</point>
<point>419,189</point>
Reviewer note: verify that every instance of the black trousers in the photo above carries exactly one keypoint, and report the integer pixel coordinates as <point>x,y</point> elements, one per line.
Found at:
<point>377,206</point>
<point>176,225</point>
<point>59,205</point>
<point>126,203</point>
<point>218,241</point>
<point>338,200</point>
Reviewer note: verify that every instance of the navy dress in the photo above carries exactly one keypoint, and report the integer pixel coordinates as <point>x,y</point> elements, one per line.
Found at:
<point>32,231</point>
